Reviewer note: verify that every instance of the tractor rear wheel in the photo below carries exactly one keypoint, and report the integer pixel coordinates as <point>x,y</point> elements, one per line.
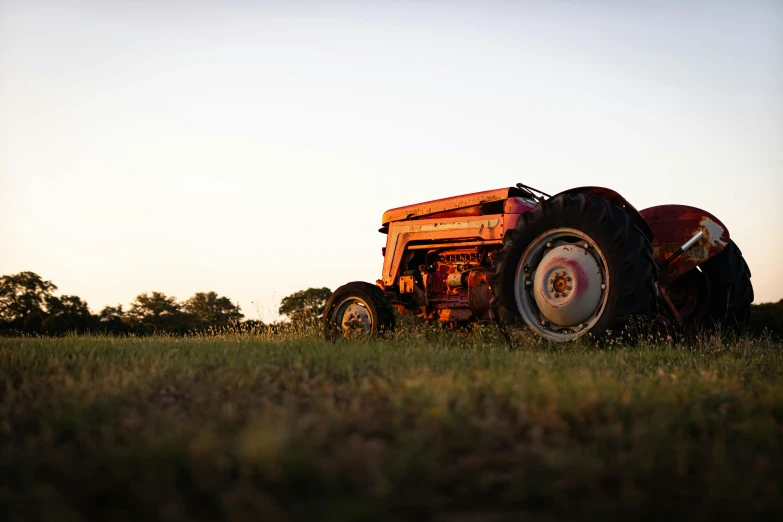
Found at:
<point>574,264</point>
<point>357,310</point>
<point>730,291</point>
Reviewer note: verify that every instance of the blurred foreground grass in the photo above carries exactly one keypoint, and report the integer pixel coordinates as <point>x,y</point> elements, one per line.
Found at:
<point>450,428</point>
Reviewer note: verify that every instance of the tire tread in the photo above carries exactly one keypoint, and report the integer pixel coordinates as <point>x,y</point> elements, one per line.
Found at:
<point>623,241</point>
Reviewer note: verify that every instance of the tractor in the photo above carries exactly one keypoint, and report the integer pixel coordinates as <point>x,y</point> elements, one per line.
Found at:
<point>581,261</point>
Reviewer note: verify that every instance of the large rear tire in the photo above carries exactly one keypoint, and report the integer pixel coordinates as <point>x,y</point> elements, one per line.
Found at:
<point>357,310</point>
<point>731,291</point>
<point>555,237</point>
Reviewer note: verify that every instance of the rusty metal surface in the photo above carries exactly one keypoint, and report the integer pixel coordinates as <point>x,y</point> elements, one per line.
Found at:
<point>406,284</point>
<point>464,240</point>
<point>510,221</point>
<point>460,244</point>
<point>616,199</point>
<point>454,286</point>
<point>453,314</point>
<point>517,205</point>
<point>673,225</point>
<point>474,210</point>
<point>479,292</point>
<point>487,228</point>
<point>672,309</point>
<point>447,204</point>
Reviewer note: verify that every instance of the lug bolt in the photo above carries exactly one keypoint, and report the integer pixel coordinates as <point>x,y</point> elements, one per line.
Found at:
<point>528,282</point>
<point>527,268</point>
<point>568,279</point>
<point>587,245</point>
<point>603,287</point>
<point>557,295</point>
<point>543,323</point>
<point>565,294</point>
<point>568,288</point>
<point>549,245</point>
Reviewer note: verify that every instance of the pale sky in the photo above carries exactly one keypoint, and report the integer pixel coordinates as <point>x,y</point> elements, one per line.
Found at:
<point>251,147</point>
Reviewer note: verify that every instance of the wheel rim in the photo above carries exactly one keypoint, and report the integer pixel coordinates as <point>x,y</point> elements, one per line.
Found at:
<point>353,317</point>
<point>561,284</point>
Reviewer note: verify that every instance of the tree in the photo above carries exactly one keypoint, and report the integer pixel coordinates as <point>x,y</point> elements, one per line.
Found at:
<point>155,312</point>
<point>305,306</point>
<point>254,325</point>
<point>22,300</point>
<point>207,309</point>
<point>67,313</point>
<point>769,317</point>
<point>110,320</point>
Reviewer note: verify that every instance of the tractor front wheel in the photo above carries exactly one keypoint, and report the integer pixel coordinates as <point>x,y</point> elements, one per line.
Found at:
<point>357,310</point>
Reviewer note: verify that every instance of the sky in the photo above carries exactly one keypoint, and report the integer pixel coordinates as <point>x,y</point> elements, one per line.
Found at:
<point>250,148</point>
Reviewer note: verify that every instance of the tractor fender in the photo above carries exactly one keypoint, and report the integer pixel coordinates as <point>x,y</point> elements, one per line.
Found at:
<point>673,226</point>
<point>616,199</point>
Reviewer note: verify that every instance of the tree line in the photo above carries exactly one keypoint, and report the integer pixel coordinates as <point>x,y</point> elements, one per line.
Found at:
<point>28,304</point>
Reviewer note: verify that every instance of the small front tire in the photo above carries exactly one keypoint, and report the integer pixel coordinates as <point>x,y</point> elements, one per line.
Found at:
<point>357,310</point>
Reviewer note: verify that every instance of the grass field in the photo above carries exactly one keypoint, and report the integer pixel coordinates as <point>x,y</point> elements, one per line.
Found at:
<point>445,428</point>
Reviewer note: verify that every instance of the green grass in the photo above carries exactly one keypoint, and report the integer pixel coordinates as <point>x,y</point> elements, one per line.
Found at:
<point>450,428</point>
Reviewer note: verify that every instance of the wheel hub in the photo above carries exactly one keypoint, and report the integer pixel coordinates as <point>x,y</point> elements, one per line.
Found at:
<point>356,318</point>
<point>567,285</point>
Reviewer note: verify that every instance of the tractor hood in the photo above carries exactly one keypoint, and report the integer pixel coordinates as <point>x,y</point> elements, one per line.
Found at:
<point>437,207</point>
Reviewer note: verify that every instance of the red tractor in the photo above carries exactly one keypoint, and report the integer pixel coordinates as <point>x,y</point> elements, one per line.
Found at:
<point>584,260</point>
